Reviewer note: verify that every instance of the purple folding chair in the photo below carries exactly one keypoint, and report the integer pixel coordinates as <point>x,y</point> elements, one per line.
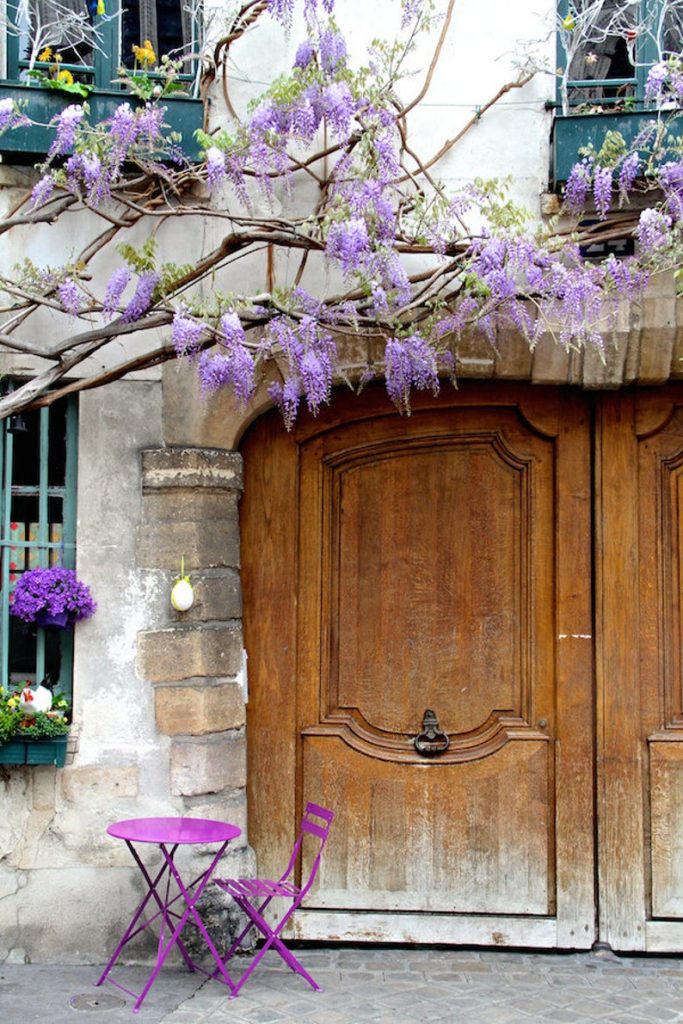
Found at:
<point>253,895</point>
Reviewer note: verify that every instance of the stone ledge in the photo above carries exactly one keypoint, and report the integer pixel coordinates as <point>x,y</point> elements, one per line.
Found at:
<point>215,468</point>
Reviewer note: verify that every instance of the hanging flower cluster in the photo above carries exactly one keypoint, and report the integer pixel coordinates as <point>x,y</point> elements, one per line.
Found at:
<point>55,591</point>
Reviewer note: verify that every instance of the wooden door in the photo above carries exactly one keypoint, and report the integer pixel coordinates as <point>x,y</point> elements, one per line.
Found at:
<point>439,561</point>
<point>639,558</point>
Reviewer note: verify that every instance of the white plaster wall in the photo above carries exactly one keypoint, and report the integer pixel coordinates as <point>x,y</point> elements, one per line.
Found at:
<point>57,864</point>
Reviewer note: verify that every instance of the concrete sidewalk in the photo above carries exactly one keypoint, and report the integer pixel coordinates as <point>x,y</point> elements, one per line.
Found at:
<point>366,984</point>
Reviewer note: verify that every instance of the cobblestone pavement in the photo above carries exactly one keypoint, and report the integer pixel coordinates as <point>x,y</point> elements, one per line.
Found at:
<point>365,985</point>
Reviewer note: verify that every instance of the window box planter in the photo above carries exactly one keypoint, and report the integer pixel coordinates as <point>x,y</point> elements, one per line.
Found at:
<point>183,115</point>
<point>570,133</point>
<point>52,751</point>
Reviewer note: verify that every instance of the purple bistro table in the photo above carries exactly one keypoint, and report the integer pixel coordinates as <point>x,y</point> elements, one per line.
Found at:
<point>168,834</point>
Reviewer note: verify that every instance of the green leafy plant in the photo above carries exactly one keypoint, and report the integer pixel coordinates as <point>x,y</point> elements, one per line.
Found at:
<point>53,76</point>
<point>15,724</point>
<point>149,81</point>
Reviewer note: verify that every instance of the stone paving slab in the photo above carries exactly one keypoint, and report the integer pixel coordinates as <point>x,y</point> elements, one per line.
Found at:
<point>366,985</point>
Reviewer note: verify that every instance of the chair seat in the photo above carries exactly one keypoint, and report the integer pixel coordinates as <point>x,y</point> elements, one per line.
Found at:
<point>247,888</point>
<point>253,895</point>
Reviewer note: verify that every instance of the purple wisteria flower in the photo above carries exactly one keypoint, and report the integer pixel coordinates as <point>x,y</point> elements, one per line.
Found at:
<point>142,299</point>
<point>628,174</point>
<point>234,368</point>
<point>409,363</point>
<point>42,191</point>
<point>671,180</point>
<point>287,397</point>
<point>348,242</point>
<point>186,333</point>
<point>602,190</point>
<point>653,231</point>
<point>233,332</point>
<point>10,117</point>
<point>115,289</point>
<point>332,49</point>
<point>339,107</point>
<point>123,130</point>
<point>150,121</point>
<point>85,176</point>
<point>310,352</point>
<point>54,591</point>
<point>70,296</point>
<point>656,79</point>
<point>304,54</point>
<point>578,185</point>
<point>215,167</point>
<point>412,9</point>
<point>282,11</point>
<point>66,124</point>
<point>6,113</point>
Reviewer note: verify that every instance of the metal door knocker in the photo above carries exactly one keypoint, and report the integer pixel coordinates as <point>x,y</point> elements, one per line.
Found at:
<point>431,741</point>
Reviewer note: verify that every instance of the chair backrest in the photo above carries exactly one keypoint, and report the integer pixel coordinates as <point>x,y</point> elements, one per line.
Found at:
<point>319,829</point>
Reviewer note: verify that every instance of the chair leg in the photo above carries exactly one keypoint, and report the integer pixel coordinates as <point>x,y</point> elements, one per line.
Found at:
<point>272,938</point>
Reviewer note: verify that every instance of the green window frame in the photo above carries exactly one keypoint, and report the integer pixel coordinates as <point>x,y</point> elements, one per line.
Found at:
<point>38,466</point>
<point>101,72</point>
<point>646,54</point>
<point>104,69</point>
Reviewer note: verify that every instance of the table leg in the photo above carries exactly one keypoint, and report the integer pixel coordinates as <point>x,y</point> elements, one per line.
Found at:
<point>190,901</point>
<point>129,933</point>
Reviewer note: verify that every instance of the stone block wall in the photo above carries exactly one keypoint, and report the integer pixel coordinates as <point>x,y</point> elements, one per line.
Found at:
<point>190,511</point>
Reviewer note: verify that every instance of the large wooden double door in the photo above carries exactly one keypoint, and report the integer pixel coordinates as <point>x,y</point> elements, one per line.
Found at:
<point>506,559</point>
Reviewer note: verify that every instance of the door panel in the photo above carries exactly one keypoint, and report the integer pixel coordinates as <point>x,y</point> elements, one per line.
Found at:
<point>435,563</point>
<point>640,748</point>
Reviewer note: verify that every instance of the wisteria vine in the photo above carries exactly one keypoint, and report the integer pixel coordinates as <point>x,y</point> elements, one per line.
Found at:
<point>378,204</point>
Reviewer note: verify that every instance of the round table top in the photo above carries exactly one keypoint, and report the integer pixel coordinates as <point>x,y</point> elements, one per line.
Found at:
<point>174,830</point>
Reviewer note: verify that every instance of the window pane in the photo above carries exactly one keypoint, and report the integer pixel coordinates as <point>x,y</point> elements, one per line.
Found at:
<point>601,53</point>
<point>22,651</point>
<point>164,22</point>
<point>62,25</point>
<point>24,514</point>
<point>56,467</point>
<point>26,652</point>
<point>673,32</point>
<point>26,451</point>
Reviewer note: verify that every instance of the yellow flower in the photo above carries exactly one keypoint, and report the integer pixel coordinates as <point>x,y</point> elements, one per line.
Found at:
<point>145,54</point>
<point>45,54</point>
<point>65,77</point>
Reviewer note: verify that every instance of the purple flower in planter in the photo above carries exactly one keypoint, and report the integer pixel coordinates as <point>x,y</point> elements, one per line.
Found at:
<point>51,592</point>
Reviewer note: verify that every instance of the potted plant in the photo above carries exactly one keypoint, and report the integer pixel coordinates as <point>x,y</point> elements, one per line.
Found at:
<point>28,737</point>
<point>52,598</point>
